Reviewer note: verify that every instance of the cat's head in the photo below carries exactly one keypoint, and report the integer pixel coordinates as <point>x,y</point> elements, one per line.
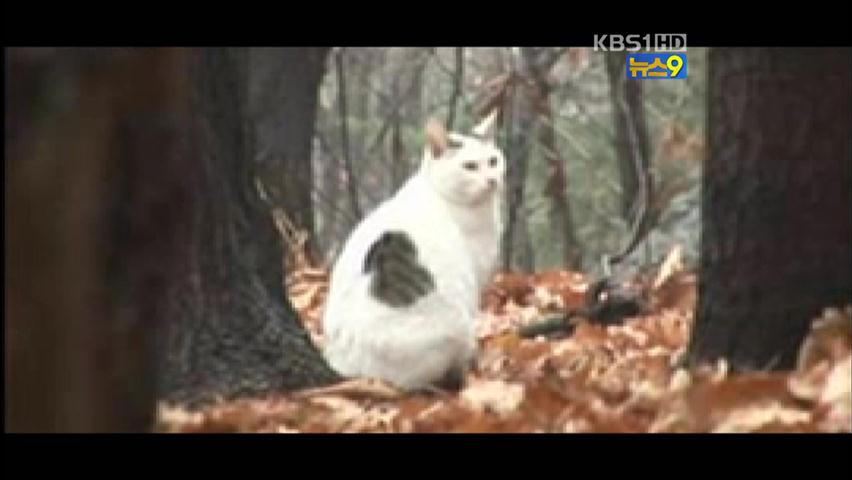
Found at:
<point>465,169</point>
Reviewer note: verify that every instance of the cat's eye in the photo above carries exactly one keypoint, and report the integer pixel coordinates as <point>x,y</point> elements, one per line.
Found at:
<point>453,143</point>
<point>469,166</point>
<point>492,162</point>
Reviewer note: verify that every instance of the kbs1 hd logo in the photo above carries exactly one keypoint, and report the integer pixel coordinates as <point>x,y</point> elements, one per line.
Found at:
<point>666,62</point>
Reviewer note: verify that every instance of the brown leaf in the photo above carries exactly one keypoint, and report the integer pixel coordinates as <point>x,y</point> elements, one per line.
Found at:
<point>672,264</point>
<point>355,388</point>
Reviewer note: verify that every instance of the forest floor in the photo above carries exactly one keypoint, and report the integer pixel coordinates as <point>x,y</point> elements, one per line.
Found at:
<point>600,378</point>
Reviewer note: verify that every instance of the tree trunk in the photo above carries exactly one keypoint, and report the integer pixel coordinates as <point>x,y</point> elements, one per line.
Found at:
<point>326,195</point>
<point>346,151</point>
<point>284,86</point>
<point>517,248</point>
<point>631,133</point>
<point>776,239</point>
<point>556,188</point>
<point>633,154</point>
<point>361,100</point>
<point>95,196</point>
<point>458,83</point>
<point>556,184</point>
<point>398,167</point>
<point>231,331</point>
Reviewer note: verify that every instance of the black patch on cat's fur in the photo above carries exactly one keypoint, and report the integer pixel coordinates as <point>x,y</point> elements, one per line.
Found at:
<point>397,278</point>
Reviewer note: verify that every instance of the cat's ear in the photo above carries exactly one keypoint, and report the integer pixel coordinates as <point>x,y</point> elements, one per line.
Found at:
<point>487,128</point>
<point>436,137</point>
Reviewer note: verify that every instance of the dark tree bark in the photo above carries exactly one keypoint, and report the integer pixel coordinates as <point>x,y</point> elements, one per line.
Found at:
<point>284,147</point>
<point>776,242</point>
<point>230,330</point>
<point>95,196</point>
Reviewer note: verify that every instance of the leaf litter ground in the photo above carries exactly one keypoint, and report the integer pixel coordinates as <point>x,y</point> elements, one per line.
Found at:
<point>601,378</point>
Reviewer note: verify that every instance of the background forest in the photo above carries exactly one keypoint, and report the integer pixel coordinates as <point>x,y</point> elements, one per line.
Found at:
<point>575,185</point>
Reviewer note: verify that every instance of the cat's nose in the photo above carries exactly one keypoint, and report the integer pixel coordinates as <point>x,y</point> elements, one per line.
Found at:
<point>492,183</point>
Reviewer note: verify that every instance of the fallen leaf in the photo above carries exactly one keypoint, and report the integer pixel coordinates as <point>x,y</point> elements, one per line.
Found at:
<point>494,396</point>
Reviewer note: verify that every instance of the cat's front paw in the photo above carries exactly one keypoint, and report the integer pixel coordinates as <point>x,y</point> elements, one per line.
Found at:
<point>398,278</point>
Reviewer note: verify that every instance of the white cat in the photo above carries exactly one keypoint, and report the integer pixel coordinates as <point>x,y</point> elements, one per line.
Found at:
<point>405,290</point>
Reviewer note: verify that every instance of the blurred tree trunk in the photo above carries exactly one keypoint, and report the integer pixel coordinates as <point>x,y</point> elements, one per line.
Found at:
<point>633,154</point>
<point>132,218</point>
<point>556,184</point>
<point>776,236</point>
<point>393,154</point>
<point>284,86</point>
<point>530,100</point>
<point>361,100</point>
<point>230,329</point>
<point>404,104</point>
<point>346,150</point>
<point>413,107</point>
<point>556,188</point>
<point>517,252</point>
<point>631,132</point>
<point>399,162</point>
<point>326,196</point>
<point>95,196</point>
<point>327,204</point>
<point>458,83</point>
<point>400,95</point>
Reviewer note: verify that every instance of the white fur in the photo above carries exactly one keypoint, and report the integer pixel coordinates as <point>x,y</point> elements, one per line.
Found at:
<point>452,216</point>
